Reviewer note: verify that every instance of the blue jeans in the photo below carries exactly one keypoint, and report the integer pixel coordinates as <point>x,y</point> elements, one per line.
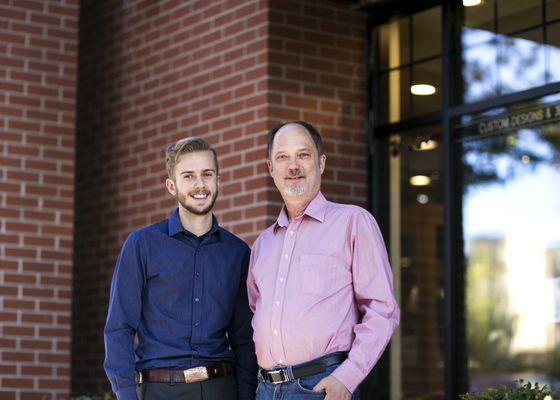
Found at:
<point>300,389</point>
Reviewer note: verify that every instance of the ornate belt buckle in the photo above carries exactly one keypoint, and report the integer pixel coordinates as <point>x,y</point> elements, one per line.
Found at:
<point>196,374</point>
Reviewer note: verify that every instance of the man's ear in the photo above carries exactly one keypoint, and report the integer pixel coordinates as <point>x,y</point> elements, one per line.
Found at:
<point>170,185</point>
<point>270,168</point>
<point>322,161</point>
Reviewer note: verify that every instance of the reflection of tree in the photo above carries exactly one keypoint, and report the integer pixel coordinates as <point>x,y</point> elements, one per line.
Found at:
<point>504,64</point>
<point>501,157</point>
<point>490,327</point>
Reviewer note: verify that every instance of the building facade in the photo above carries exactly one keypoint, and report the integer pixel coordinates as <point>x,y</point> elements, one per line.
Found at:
<point>440,117</point>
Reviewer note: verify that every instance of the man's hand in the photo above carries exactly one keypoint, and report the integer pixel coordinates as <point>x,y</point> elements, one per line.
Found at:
<point>334,389</point>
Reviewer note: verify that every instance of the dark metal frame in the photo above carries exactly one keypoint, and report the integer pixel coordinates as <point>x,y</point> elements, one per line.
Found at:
<point>377,142</point>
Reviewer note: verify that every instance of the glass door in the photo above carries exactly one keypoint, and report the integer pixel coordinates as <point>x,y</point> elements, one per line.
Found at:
<point>416,252</point>
<point>509,185</point>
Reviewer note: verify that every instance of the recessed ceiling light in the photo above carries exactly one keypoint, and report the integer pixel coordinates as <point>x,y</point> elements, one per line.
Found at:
<point>472,3</point>
<point>422,89</point>
<point>525,159</point>
<point>422,199</point>
<point>424,145</point>
<point>420,180</point>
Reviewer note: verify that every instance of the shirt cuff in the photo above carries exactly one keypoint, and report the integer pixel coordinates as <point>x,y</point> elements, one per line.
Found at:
<point>127,393</point>
<point>349,375</point>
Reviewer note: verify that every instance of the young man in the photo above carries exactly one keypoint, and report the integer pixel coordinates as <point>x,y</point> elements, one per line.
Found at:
<point>319,282</point>
<point>180,287</point>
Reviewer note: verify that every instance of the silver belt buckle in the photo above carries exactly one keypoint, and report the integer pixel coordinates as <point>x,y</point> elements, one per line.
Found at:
<point>196,374</point>
<point>278,376</point>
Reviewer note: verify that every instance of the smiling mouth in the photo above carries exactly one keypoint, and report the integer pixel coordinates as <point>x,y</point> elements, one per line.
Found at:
<point>200,196</point>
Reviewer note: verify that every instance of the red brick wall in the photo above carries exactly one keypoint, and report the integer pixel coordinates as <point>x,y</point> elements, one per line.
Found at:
<point>317,74</point>
<point>38,47</point>
<point>154,71</point>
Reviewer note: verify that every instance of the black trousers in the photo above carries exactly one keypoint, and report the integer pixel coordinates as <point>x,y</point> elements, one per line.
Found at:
<point>222,388</point>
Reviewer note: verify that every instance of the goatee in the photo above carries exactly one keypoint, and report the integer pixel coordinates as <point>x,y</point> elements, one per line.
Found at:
<point>181,199</point>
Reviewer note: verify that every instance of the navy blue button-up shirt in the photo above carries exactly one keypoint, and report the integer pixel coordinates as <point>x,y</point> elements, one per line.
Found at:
<point>186,299</point>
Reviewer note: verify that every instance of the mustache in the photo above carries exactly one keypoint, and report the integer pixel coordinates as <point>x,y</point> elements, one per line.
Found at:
<point>294,174</point>
<point>199,191</point>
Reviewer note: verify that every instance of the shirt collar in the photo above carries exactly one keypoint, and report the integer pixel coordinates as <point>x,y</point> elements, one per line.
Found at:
<point>315,209</point>
<point>174,225</point>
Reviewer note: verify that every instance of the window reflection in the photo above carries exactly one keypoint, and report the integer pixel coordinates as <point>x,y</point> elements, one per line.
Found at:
<point>521,62</point>
<point>506,47</point>
<point>408,53</point>
<point>428,73</point>
<point>514,16</point>
<point>426,28</point>
<point>417,359</point>
<point>479,70</point>
<point>511,236</point>
<point>552,10</point>
<point>553,52</point>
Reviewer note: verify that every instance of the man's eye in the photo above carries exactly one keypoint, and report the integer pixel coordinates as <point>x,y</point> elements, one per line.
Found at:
<point>304,155</point>
<point>187,176</point>
<point>281,157</point>
<point>208,174</point>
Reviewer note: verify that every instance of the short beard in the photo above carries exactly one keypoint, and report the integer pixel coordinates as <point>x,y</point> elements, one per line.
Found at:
<point>294,191</point>
<point>195,211</point>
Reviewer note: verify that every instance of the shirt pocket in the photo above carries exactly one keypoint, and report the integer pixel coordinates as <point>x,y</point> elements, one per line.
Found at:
<point>322,274</point>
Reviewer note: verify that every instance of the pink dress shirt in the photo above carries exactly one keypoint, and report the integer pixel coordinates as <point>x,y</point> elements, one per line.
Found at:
<point>322,283</point>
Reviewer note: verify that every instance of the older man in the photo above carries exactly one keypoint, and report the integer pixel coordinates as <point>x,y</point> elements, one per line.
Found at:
<point>319,282</point>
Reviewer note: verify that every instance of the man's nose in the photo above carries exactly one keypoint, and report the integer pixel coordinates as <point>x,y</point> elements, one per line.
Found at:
<point>199,182</point>
<point>293,165</point>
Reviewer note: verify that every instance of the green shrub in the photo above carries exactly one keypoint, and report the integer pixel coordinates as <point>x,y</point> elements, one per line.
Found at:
<point>106,396</point>
<point>520,392</point>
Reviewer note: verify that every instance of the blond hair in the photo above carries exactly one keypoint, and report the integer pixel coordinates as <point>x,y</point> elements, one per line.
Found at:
<point>184,146</point>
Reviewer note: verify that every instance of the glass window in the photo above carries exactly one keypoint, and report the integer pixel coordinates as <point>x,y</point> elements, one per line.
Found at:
<point>553,52</point>
<point>426,34</point>
<point>394,44</point>
<point>502,49</point>
<point>416,209</point>
<point>480,75</point>
<point>514,16</point>
<point>427,73</point>
<point>521,62</point>
<point>552,10</point>
<point>479,18</point>
<point>406,57</point>
<point>510,233</point>
<point>394,95</point>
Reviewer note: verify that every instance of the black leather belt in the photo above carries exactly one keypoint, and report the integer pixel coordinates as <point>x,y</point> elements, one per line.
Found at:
<point>191,375</point>
<point>293,372</point>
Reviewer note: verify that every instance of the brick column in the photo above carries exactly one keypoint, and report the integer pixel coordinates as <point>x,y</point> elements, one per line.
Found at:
<point>38,47</point>
<point>152,72</point>
<point>316,70</point>
<point>155,71</point>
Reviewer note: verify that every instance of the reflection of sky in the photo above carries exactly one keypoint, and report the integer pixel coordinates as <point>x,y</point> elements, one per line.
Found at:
<point>522,64</point>
<point>531,195</point>
<point>531,198</point>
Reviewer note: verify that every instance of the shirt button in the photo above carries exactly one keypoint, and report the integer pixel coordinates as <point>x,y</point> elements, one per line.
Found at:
<point>281,279</point>
<point>277,303</point>
<point>196,323</point>
<point>291,232</point>
<point>196,299</point>
<point>197,273</point>
<point>275,332</point>
<point>280,361</point>
<point>285,256</point>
